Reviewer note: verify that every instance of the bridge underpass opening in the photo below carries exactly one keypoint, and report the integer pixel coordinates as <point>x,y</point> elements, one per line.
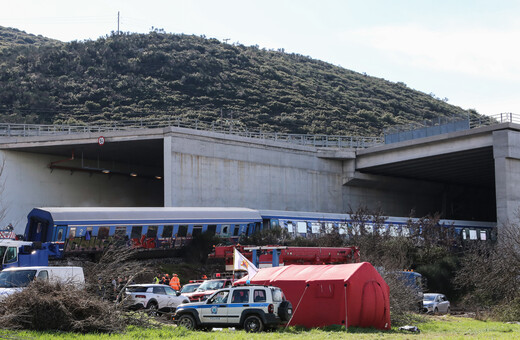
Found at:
<point>120,173</point>
<point>466,179</point>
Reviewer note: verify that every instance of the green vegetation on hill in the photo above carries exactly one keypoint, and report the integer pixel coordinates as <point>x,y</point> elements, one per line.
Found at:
<point>10,37</point>
<point>166,75</point>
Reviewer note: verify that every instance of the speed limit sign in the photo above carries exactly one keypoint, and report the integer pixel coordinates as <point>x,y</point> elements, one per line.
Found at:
<point>101,140</point>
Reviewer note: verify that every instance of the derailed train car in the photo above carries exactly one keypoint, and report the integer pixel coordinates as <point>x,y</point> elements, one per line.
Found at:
<point>90,229</point>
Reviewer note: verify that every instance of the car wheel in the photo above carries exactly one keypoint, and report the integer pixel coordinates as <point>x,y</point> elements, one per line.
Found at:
<point>436,311</point>
<point>153,309</point>
<point>187,321</point>
<point>448,310</point>
<point>253,324</point>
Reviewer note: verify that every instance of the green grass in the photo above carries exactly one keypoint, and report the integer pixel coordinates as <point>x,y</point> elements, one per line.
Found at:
<point>446,327</point>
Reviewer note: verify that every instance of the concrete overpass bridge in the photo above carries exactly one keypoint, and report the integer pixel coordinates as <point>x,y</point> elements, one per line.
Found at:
<point>467,175</point>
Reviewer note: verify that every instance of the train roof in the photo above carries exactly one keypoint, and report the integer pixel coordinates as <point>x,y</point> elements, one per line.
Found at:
<point>149,215</point>
<point>319,216</point>
<point>335,217</point>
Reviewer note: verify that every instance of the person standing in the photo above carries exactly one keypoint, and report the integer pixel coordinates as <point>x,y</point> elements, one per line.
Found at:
<point>175,283</point>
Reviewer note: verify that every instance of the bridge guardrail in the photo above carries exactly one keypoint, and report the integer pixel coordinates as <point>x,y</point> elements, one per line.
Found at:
<point>325,141</point>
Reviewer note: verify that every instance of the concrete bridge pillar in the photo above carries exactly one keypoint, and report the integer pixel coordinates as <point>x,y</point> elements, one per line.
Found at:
<point>506,153</point>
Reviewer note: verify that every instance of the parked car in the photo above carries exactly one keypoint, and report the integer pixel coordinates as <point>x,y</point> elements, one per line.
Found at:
<point>189,288</point>
<point>436,303</point>
<point>207,288</point>
<point>253,308</point>
<point>156,298</point>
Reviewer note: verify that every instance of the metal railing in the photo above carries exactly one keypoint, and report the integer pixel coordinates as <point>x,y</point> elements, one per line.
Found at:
<point>236,128</point>
<point>474,122</point>
<point>507,117</point>
<point>228,127</point>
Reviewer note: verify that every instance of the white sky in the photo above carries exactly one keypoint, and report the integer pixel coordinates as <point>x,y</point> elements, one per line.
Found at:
<point>464,50</point>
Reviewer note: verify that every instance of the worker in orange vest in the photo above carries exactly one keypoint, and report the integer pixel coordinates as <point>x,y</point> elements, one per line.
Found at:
<point>175,283</point>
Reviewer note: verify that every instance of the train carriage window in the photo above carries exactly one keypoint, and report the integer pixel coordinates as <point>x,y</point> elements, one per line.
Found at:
<point>472,234</point>
<point>103,233</point>
<point>316,226</point>
<point>120,233</point>
<point>224,230</point>
<point>342,228</point>
<point>197,230</point>
<point>167,231</point>
<point>464,236</point>
<point>59,237</point>
<point>88,233</point>
<point>483,235</point>
<point>212,229</point>
<point>290,227</point>
<point>72,232</point>
<point>329,227</point>
<point>136,232</point>
<point>301,227</point>
<point>275,223</point>
<point>152,231</point>
<point>369,228</point>
<point>236,230</point>
<point>183,230</point>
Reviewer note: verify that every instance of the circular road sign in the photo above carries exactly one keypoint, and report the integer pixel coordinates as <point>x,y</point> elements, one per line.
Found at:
<point>101,140</point>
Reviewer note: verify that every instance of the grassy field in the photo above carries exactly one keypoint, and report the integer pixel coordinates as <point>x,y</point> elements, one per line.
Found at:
<point>445,327</point>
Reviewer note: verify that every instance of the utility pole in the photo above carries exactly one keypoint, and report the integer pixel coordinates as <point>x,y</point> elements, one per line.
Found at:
<point>117,22</point>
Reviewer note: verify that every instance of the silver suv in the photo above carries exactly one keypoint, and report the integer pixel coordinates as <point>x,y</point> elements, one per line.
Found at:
<point>253,308</point>
<point>157,298</point>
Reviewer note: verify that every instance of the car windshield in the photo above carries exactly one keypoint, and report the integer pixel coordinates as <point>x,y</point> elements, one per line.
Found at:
<point>211,285</point>
<point>429,297</point>
<point>18,278</point>
<point>189,288</point>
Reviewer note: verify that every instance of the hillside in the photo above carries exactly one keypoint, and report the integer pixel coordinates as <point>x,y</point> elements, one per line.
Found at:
<point>10,37</point>
<point>165,75</point>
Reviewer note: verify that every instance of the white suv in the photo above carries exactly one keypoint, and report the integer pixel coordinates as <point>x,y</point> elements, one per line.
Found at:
<point>252,308</point>
<point>154,297</point>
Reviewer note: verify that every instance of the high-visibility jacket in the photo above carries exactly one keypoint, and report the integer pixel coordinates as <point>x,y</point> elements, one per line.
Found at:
<point>175,283</point>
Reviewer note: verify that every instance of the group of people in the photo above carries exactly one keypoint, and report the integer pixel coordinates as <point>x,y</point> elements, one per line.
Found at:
<point>165,279</point>
<point>111,289</point>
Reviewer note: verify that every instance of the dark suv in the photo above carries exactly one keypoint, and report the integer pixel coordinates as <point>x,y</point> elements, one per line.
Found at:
<point>253,308</point>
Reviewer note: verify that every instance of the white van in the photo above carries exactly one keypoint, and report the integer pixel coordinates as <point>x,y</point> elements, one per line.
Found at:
<point>16,278</point>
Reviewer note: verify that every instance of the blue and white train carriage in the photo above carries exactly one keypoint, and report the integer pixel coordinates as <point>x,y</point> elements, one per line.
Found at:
<point>92,229</point>
<point>308,224</point>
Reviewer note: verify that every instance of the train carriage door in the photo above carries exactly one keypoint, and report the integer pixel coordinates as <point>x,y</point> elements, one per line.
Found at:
<point>38,230</point>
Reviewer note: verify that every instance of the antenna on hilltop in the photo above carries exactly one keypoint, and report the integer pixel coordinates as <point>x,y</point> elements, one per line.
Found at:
<point>226,40</point>
<point>117,22</point>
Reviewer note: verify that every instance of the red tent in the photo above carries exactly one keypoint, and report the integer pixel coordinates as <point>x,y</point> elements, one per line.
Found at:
<point>321,293</point>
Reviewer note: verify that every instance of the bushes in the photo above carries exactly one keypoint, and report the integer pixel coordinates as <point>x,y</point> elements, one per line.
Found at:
<point>62,307</point>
